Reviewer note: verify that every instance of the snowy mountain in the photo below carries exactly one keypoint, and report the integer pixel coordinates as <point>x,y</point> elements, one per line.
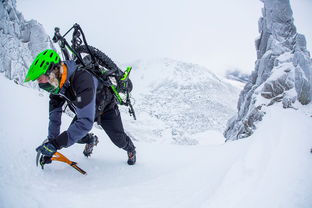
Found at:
<point>237,75</point>
<point>185,99</point>
<point>283,71</point>
<point>20,41</point>
<point>271,169</point>
<point>175,103</point>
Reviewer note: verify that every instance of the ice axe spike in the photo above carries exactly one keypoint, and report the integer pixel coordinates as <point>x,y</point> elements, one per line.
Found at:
<point>60,157</point>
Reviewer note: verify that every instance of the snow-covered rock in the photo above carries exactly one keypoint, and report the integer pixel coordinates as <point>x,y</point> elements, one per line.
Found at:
<point>237,75</point>
<point>282,73</point>
<point>185,98</point>
<point>20,41</point>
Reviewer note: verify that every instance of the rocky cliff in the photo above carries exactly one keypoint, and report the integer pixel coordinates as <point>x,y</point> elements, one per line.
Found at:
<point>283,70</point>
<point>20,41</point>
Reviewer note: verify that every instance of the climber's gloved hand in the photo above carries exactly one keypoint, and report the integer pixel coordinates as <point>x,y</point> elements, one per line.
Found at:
<point>44,160</point>
<point>47,149</point>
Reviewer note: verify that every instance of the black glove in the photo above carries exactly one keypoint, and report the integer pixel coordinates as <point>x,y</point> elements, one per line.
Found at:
<point>47,149</point>
<point>44,160</point>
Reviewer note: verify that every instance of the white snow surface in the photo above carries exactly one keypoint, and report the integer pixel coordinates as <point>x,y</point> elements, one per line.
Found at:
<point>180,99</point>
<point>272,168</point>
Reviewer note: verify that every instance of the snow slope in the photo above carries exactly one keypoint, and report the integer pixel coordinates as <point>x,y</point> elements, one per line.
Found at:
<point>184,99</point>
<point>272,168</point>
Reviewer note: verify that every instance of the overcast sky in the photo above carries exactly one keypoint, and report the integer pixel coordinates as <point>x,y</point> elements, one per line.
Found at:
<point>218,34</point>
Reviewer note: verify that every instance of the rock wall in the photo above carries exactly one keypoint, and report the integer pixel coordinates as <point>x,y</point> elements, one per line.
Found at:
<point>20,41</point>
<point>283,70</point>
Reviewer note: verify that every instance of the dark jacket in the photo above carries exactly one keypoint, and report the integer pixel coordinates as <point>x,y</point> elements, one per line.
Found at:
<point>86,96</point>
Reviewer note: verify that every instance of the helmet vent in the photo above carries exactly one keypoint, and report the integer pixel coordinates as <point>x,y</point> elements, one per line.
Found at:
<point>42,63</point>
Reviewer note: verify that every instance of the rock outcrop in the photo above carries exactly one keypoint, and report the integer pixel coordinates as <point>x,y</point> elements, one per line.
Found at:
<point>20,41</point>
<point>283,70</point>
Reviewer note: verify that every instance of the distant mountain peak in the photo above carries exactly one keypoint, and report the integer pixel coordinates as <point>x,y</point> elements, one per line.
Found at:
<point>185,98</point>
<point>237,75</point>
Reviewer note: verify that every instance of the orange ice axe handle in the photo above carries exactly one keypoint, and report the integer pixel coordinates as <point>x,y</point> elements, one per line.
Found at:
<point>59,157</point>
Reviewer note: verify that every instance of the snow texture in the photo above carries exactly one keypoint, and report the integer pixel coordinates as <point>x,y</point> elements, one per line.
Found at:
<point>283,70</point>
<point>20,42</point>
<point>185,99</point>
<point>271,169</point>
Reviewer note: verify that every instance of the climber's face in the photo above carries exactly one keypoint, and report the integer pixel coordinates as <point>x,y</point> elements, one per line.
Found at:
<point>50,82</point>
<point>43,79</point>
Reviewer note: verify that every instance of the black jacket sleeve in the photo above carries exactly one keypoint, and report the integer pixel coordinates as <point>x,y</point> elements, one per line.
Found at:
<point>84,86</point>
<point>55,114</point>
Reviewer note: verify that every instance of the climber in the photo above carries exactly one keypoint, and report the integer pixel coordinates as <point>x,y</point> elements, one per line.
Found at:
<point>86,96</point>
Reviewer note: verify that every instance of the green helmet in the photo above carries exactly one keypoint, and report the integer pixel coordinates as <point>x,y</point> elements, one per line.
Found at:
<point>42,64</point>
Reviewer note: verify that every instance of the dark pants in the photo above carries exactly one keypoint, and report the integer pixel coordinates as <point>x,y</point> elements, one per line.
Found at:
<point>112,125</point>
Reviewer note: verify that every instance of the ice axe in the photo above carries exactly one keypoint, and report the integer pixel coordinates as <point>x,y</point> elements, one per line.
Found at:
<point>61,158</point>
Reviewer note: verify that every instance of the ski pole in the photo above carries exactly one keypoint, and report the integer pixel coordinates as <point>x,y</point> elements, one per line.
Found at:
<point>60,157</point>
